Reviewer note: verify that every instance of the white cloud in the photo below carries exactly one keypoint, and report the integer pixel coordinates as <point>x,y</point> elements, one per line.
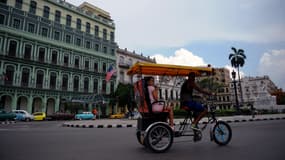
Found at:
<point>181,57</point>
<point>273,64</point>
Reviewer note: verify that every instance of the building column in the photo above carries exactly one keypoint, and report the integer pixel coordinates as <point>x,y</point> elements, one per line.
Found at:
<point>57,102</point>
<point>90,108</point>
<point>44,104</point>
<point>14,101</point>
<point>30,104</point>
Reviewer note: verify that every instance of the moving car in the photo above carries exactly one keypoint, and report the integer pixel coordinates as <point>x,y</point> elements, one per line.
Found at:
<point>39,116</point>
<point>61,116</point>
<point>117,115</point>
<point>4,116</point>
<point>84,116</point>
<point>22,115</point>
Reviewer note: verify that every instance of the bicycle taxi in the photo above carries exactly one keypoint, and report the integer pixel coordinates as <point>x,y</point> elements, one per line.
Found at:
<point>153,130</point>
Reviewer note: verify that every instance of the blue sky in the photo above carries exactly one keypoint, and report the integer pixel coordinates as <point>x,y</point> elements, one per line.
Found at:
<point>191,32</point>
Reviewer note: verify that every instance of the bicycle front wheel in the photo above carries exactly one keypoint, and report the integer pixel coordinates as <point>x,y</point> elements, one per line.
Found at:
<point>222,133</point>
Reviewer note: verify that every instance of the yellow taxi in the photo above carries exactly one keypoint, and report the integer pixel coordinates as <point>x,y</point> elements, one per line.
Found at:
<point>39,116</point>
<point>117,115</point>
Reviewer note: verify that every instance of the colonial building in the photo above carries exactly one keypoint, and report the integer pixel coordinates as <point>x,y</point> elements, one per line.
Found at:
<point>257,91</point>
<point>219,83</point>
<point>52,52</point>
<point>224,98</point>
<point>125,59</point>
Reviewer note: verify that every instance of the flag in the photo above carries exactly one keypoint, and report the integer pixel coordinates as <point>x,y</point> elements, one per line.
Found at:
<point>110,72</point>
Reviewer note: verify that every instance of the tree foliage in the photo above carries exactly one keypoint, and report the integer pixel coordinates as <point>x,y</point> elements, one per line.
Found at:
<point>237,58</point>
<point>124,95</point>
<point>209,84</point>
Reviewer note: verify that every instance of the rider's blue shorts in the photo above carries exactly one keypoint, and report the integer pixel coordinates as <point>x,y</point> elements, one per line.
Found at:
<point>193,105</point>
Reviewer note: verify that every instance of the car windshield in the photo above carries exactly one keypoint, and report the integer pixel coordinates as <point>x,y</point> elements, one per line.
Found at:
<point>38,114</point>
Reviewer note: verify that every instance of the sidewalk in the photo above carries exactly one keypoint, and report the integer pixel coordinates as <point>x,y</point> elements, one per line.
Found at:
<point>121,123</point>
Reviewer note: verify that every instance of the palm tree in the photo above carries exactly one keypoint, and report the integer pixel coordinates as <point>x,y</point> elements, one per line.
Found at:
<point>237,59</point>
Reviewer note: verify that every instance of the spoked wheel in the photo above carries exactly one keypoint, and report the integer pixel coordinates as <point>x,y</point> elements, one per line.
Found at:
<point>222,133</point>
<point>159,138</point>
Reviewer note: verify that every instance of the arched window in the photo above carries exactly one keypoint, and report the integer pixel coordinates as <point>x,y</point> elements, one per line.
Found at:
<point>42,55</point>
<point>54,57</point>
<point>25,77</point>
<point>86,84</point>
<point>28,51</point>
<point>52,81</point>
<point>40,79</point>
<point>76,84</point>
<point>104,69</point>
<point>57,16</point>
<point>9,75</point>
<point>104,86</point>
<point>78,24</point>
<point>46,12</point>
<point>12,49</point>
<point>95,86</point>
<point>19,4</point>
<point>76,62</point>
<point>68,20</point>
<point>33,7</point>
<point>104,34</point>
<point>64,82</point>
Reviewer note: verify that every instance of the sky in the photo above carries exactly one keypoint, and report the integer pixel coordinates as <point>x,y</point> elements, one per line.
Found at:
<point>195,33</point>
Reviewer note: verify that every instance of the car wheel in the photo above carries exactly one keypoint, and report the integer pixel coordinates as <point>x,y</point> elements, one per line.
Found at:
<point>27,119</point>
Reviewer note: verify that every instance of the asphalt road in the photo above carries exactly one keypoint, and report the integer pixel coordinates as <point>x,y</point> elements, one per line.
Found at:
<point>261,140</point>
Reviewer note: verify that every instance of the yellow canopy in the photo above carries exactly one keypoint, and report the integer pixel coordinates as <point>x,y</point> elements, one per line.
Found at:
<point>167,69</point>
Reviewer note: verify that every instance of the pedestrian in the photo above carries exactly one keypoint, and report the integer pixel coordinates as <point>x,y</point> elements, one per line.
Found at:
<point>94,111</point>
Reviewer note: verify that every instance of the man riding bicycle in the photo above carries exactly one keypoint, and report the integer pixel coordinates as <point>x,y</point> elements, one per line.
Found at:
<point>186,99</point>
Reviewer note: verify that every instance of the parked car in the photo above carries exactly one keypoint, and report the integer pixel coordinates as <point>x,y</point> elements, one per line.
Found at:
<point>39,116</point>
<point>84,116</point>
<point>136,115</point>
<point>22,115</point>
<point>60,116</point>
<point>4,116</point>
<point>117,115</point>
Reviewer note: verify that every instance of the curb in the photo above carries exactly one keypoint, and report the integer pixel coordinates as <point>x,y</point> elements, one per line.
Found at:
<point>99,125</point>
<point>7,122</point>
<point>178,123</point>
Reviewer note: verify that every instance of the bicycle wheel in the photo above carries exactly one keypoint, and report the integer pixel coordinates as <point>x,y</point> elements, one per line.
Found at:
<point>159,138</point>
<point>222,133</point>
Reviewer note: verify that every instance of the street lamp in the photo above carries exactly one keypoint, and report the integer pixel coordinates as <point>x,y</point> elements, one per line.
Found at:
<point>235,88</point>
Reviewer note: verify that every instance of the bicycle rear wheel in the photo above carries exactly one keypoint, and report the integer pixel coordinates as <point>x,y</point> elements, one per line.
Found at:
<point>222,133</point>
<point>159,138</point>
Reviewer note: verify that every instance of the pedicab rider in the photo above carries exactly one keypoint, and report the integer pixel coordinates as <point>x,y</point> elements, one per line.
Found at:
<point>186,99</point>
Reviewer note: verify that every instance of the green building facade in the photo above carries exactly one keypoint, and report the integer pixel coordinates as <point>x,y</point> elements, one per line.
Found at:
<point>52,52</point>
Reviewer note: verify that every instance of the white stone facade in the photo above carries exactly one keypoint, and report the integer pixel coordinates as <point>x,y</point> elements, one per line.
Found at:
<point>257,91</point>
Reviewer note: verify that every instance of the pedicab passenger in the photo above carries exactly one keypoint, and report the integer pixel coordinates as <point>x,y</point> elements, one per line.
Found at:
<point>186,99</point>
<point>158,107</point>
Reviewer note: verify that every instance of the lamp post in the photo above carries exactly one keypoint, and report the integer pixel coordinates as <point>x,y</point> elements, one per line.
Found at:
<point>235,88</point>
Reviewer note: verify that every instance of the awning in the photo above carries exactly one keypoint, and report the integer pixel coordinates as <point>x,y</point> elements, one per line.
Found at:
<point>167,69</point>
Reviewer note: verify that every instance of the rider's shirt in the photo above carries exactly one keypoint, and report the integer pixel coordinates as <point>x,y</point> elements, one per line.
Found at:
<point>186,92</point>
